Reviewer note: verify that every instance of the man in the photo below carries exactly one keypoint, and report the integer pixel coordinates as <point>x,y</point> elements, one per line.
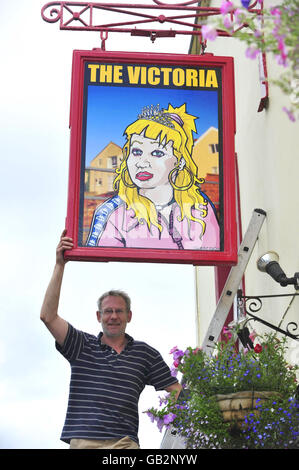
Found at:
<point>108,372</point>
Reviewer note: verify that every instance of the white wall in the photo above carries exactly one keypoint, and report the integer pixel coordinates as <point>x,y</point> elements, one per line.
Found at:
<point>267,145</point>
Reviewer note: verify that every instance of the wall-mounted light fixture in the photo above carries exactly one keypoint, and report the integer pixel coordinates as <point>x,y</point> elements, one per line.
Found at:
<point>269,263</point>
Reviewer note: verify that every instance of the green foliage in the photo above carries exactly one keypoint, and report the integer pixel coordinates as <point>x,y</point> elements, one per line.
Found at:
<point>228,370</point>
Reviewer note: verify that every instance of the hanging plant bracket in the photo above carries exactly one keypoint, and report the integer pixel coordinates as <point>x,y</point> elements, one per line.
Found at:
<point>250,305</point>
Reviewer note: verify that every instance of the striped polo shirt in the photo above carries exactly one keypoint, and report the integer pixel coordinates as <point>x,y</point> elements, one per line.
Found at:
<point>105,386</point>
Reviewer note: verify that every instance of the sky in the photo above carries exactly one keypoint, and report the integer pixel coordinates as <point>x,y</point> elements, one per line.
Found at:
<point>36,60</point>
<point>101,128</point>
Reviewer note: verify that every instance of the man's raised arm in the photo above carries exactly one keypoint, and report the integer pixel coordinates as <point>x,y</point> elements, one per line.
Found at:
<point>49,311</point>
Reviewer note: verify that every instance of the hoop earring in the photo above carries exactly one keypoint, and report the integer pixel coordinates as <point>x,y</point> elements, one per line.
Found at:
<point>181,188</point>
<point>128,185</point>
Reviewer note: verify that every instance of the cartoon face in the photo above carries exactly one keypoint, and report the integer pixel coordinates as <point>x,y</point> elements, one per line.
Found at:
<point>150,162</point>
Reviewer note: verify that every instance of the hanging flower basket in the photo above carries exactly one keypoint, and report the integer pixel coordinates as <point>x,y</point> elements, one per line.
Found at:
<point>235,398</point>
<point>236,406</point>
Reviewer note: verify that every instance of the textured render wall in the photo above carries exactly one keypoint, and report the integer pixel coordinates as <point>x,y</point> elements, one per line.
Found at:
<point>267,145</point>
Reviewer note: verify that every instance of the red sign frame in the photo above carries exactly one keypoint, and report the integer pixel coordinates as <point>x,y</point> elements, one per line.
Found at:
<point>89,62</point>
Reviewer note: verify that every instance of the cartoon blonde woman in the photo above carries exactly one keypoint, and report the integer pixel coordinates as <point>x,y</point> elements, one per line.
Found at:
<point>158,203</point>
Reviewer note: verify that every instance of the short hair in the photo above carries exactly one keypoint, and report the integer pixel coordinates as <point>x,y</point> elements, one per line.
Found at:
<point>116,293</point>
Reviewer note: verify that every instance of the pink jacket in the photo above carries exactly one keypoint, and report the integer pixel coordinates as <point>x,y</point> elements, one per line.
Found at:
<point>118,227</point>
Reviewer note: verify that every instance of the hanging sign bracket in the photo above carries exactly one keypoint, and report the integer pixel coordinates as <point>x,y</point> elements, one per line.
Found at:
<point>186,18</point>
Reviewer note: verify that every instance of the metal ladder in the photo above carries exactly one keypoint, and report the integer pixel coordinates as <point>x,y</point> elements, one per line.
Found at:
<point>170,439</point>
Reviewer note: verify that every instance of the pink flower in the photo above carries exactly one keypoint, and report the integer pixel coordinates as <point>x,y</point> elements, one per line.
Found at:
<point>227,23</point>
<point>208,32</point>
<point>173,349</point>
<point>282,58</point>
<point>195,351</point>
<point>226,7</point>
<point>275,12</point>
<point>277,15</point>
<point>252,52</point>
<point>253,335</point>
<point>226,331</point>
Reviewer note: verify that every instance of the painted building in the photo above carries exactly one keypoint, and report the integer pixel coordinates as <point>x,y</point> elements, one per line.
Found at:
<point>206,156</point>
<point>205,153</point>
<point>100,174</point>
<point>99,177</point>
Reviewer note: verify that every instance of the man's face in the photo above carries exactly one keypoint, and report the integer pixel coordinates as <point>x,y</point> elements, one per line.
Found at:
<point>114,316</point>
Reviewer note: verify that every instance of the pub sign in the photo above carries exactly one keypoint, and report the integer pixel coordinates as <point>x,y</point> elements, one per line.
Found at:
<point>151,173</point>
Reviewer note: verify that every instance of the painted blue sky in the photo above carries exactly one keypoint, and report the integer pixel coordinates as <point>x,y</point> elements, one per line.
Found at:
<point>111,109</point>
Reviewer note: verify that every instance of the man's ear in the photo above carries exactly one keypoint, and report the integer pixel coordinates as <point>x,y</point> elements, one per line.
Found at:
<point>129,316</point>
<point>99,316</point>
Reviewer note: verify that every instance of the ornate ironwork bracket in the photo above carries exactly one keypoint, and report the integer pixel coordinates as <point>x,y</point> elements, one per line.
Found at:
<point>186,17</point>
<point>250,305</point>
<point>88,16</point>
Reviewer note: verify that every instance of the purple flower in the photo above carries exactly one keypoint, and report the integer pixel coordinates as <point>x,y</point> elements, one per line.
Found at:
<point>245,3</point>
<point>290,114</point>
<point>178,354</point>
<point>169,418</point>
<point>151,416</point>
<point>160,424</point>
<point>163,400</point>
<point>208,32</point>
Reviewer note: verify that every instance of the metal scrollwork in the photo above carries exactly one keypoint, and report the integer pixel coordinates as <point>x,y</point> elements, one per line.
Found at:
<point>180,4</point>
<point>250,305</point>
<point>70,15</point>
<point>254,304</point>
<point>292,326</point>
<point>53,11</point>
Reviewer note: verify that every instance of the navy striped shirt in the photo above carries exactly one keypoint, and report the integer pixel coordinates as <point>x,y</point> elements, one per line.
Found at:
<point>105,386</point>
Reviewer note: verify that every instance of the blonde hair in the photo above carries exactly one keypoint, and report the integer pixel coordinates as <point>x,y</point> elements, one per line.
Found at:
<point>182,138</point>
